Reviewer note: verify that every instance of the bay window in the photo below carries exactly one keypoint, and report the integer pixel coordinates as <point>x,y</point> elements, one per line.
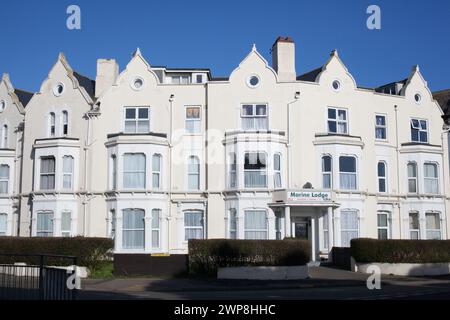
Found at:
<point>67,172</point>
<point>137,120</point>
<point>412,177</point>
<point>134,171</point>
<point>156,228</point>
<point>193,225</point>
<point>433,225</point>
<point>4,179</point>
<point>254,117</point>
<point>382,181</point>
<point>255,170</point>
<point>47,174</point>
<point>414,226</point>
<point>337,121</point>
<point>44,224</point>
<point>431,179</point>
<point>255,224</point>
<point>156,171</point>
<point>133,229</point>
<point>277,171</point>
<point>326,172</point>
<point>347,173</point>
<point>349,226</point>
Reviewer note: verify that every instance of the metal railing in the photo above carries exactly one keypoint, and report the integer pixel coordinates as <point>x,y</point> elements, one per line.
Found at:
<point>37,277</point>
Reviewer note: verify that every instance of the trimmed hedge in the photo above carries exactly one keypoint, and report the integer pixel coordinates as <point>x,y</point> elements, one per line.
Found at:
<point>90,252</point>
<point>206,256</point>
<point>400,251</point>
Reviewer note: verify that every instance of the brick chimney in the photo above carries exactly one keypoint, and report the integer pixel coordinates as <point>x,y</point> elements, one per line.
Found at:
<point>283,59</point>
<point>107,73</point>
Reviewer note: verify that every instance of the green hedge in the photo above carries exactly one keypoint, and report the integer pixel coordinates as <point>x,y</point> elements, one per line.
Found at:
<point>90,252</point>
<point>400,251</point>
<point>206,256</point>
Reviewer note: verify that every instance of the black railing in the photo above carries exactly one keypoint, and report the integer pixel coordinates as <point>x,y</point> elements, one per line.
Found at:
<point>37,277</point>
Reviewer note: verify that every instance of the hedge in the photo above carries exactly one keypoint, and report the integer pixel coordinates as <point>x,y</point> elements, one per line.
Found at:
<point>90,252</point>
<point>206,256</point>
<point>400,251</point>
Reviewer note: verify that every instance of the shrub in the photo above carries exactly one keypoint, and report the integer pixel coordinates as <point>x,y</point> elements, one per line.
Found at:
<point>206,256</point>
<point>400,251</point>
<point>90,252</point>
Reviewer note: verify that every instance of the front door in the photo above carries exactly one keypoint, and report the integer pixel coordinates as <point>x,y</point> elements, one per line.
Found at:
<point>301,230</point>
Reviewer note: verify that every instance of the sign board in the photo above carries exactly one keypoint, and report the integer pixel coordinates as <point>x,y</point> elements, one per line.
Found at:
<point>308,196</point>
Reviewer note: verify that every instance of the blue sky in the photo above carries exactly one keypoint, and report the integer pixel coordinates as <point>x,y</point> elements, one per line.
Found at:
<point>218,35</point>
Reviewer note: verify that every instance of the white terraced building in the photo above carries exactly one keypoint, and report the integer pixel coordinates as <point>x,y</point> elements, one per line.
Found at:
<point>154,156</point>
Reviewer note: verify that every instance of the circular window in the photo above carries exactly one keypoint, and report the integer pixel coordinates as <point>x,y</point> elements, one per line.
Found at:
<point>58,89</point>
<point>253,81</point>
<point>2,105</point>
<point>137,84</point>
<point>417,97</point>
<point>336,85</point>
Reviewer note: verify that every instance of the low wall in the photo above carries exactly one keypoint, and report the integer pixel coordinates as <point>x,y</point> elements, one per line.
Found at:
<point>153,266</point>
<point>264,273</point>
<point>407,269</point>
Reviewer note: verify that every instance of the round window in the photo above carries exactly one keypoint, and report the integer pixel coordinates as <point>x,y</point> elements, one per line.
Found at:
<point>336,85</point>
<point>58,89</point>
<point>417,97</point>
<point>253,81</point>
<point>137,84</point>
<point>2,105</point>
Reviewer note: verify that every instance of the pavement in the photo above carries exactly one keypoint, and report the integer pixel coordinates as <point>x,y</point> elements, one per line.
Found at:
<point>324,283</point>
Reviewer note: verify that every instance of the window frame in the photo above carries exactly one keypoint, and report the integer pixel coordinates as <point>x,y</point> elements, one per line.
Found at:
<point>416,178</point>
<point>382,127</point>
<point>350,230</point>
<point>140,230</point>
<point>52,124</point>
<point>278,173</point>
<point>5,231</point>
<point>419,130</point>
<point>265,171</point>
<point>434,179</point>
<point>355,173</point>
<point>254,116</point>
<point>385,177</point>
<point>47,174</point>
<point>66,174</point>
<point>193,121</point>
<point>427,230</point>
<point>386,228</point>
<point>156,228</point>
<point>140,172</point>
<point>186,227</point>
<point>232,170</point>
<point>65,123</point>
<point>136,119</point>
<point>191,174</point>
<point>49,232</point>
<point>66,233</point>
<point>232,231</point>
<point>256,230</point>
<point>337,121</point>
<point>410,213</point>
<point>5,180</point>
<point>156,172</point>
<point>327,173</point>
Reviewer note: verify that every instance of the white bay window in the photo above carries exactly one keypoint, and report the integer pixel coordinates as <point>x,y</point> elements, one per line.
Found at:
<point>133,229</point>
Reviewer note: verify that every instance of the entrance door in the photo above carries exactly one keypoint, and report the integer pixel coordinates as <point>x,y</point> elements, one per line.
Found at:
<point>301,230</point>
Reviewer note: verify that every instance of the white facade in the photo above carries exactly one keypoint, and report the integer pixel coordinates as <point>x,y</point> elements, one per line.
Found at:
<point>154,156</point>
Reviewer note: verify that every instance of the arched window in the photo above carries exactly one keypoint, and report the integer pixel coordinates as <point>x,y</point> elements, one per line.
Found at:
<point>412,177</point>
<point>382,180</point>
<point>4,178</point>
<point>65,123</point>
<point>193,173</point>
<point>4,137</point>
<point>277,170</point>
<point>3,224</point>
<point>134,171</point>
<point>67,172</point>
<point>133,230</point>
<point>326,172</point>
<point>52,124</point>
<point>156,171</point>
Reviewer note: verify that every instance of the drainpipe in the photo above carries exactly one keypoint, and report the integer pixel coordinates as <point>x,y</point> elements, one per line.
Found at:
<point>289,153</point>
<point>397,150</point>
<point>444,165</point>
<point>171,99</point>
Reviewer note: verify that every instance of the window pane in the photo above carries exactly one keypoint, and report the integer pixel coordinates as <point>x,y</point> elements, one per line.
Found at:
<point>193,113</point>
<point>331,113</point>
<point>255,161</point>
<point>247,110</point>
<point>380,120</point>
<point>66,222</point>
<point>130,126</point>
<point>327,181</point>
<point>276,162</point>
<point>261,110</point>
<point>382,220</point>
<point>143,126</point>
<point>4,172</point>
<point>412,170</point>
<point>44,227</point>
<point>155,218</point>
<point>380,133</point>
<point>433,221</point>
<point>134,171</point>
<point>423,136</point>
<point>3,224</point>
<point>130,113</point>
<point>342,114</point>
<point>414,221</point>
<point>67,164</point>
<point>347,164</point>
<point>133,229</point>
<point>156,163</point>
<point>381,169</point>
<point>382,234</point>
<point>143,113</point>
<point>332,126</point>
<point>326,164</point>
<point>430,170</point>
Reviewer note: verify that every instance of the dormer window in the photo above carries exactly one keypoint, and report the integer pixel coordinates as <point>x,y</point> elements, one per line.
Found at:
<point>180,79</point>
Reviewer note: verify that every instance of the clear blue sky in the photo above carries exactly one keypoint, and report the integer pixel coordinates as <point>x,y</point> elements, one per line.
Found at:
<point>218,35</point>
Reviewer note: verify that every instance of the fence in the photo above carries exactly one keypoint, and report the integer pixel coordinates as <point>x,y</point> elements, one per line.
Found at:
<point>30,277</point>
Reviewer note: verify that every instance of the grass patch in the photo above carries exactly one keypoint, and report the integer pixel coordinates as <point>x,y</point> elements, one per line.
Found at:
<point>104,271</point>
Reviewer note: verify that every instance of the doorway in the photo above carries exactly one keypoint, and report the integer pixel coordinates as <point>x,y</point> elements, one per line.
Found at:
<point>301,230</point>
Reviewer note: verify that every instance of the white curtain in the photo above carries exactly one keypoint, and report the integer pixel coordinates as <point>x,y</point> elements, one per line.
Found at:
<point>348,181</point>
<point>431,178</point>
<point>193,225</point>
<point>134,171</point>
<point>66,224</point>
<point>133,229</point>
<point>44,227</point>
<point>255,224</point>
<point>433,224</point>
<point>3,224</point>
<point>4,178</point>
<point>47,173</point>
<point>156,216</point>
<point>349,227</point>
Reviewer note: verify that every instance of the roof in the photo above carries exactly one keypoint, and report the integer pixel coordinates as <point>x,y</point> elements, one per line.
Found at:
<point>24,96</point>
<point>310,76</point>
<point>443,98</point>
<point>220,79</point>
<point>86,83</point>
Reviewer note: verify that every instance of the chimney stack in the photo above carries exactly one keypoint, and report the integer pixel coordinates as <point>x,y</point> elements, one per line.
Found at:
<point>283,59</point>
<point>107,73</point>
